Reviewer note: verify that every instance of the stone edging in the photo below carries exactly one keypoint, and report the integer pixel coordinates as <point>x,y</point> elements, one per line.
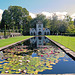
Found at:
<point>2,48</point>
<point>66,50</point>
<point>37,74</point>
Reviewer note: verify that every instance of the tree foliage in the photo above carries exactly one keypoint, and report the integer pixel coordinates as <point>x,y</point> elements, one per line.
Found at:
<point>55,25</point>
<point>39,17</point>
<point>71,29</point>
<point>15,17</point>
<point>5,31</point>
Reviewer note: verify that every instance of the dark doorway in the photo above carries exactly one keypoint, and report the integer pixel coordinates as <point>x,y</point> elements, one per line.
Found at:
<point>39,38</point>
<point>31,33</point>
<point>47,33</point>
<point>39,33</point>
<point>34,33</point>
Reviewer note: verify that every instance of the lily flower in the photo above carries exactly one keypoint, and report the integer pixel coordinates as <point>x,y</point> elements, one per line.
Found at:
<point>28,61</point>
<point>20,60</point>
<point>19,69</point>
<point>6,71</point>
<point>24,71</point>
<point>20,63</point>
<point>41,55</point>
<point>47,53</point>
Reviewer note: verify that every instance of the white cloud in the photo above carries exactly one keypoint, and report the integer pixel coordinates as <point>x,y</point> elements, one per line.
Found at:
<point>60,15</point>
<point>32,15</point>
<point>1,12</point>
<point>47,14</point>
<point>73,16</point>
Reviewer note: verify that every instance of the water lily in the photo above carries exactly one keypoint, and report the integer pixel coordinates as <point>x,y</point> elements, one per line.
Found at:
<point>47,53</point>
<point>20,50</point>
<point>49,61</point>
<point>7,68</point>
<point>19,69</point>
<point>51,52</point>
<point>44,48</point>
<point>20,63</point>
<point>58,52</point>
<point>0,65</point>
<point>22,57</point>
<point>6,72</point>
<point>24,71</point>
<point>11,49</point>
<point>55,52</point>
<point>41,55</point>
<point>58,48</point>
<point>20,60</point>
<point>28,61</point>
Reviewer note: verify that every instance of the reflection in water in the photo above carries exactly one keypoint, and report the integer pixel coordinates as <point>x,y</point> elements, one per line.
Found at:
<point>23,59</point>
<point>39,41</point>
<point>1,54</point>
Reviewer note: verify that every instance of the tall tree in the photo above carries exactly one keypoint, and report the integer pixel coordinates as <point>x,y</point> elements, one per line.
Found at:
<point>53,27</point>
<point>5,31</point>
<point>40,17</point>
<point>15,17</point>
<point>26,25</point>
<point>6,19</point>
<point>71,29</point>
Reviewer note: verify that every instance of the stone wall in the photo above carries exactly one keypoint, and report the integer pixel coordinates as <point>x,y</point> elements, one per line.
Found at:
<point>15,34</point>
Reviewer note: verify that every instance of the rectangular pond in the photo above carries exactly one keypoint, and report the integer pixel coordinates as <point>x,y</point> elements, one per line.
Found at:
<point>37,55</point>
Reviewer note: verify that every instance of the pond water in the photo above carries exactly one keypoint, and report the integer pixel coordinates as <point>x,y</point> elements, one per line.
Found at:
<point>37,55</point>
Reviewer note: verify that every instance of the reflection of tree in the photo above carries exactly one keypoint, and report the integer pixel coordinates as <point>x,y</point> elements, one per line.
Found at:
<point>1,54</point>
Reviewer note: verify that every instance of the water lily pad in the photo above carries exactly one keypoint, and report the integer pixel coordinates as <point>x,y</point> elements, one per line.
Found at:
<point>50,68</point>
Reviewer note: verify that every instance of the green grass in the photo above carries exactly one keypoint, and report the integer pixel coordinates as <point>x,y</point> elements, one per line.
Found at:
<point>67,41</point>
<point>4,42</point>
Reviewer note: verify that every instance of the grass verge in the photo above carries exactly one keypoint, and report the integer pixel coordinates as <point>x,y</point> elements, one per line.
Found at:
<point>67,41</point>
<point>4,42</point>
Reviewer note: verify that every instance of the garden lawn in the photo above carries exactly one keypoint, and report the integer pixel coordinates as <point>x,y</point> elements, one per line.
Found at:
<point>4,42</point>
<point>67,41</point>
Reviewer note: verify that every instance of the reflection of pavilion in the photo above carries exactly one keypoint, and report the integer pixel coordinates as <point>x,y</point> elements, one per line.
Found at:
<point>39,41</point>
